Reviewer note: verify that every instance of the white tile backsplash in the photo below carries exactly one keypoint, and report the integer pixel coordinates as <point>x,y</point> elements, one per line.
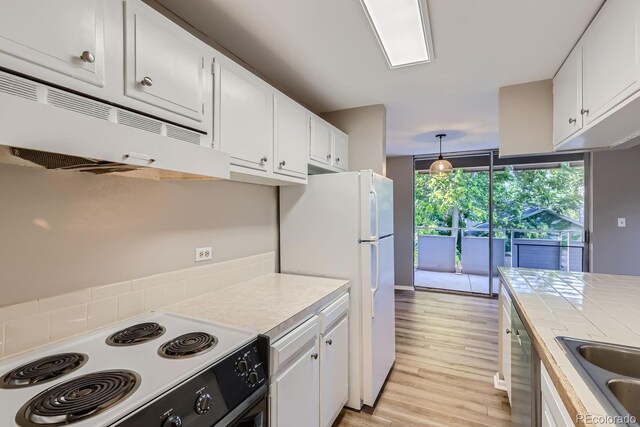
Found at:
<point>30,324</point>
<point>130,305</point>
<point>109,291</point>
<point>27,333</point>
<point>68,322</point>
<point>102,313</point>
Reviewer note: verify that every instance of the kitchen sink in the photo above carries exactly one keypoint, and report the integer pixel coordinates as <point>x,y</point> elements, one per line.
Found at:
<point>612,370</point>
<point>616,359</point>
<point>628,393</point>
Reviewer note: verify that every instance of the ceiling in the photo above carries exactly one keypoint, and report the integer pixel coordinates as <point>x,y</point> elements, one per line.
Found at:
<point>324,54</point>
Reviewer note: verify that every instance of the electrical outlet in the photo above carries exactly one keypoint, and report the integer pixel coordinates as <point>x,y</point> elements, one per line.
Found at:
<point>622,222</point>
<point>204,254</point>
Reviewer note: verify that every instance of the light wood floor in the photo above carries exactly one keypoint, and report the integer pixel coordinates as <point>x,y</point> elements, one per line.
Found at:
<point>446,356</point>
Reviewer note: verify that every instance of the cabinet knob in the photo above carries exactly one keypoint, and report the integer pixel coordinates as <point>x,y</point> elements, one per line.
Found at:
<point>263,160</point>
<point>314,356</point>
<point>146,81</point>
<point>337,159</point>
<point>282,163</point>
<point>584,111</point>
<point>329,341</point>
<point>328,156</point>
<point>508,331</point>
<point>572,120</point>
<point>88,57</point>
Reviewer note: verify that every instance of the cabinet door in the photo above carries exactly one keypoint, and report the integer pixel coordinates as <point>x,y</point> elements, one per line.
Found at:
<point>554,413</point>
<point>291,137</point>
<point>340,150</point>
<point>567,97</point>
<point>611,62</point>
<point>320,150</point>
<point>295,392</point>
<point>246,115</point>
<point>334,372</point>
<point>39,37</point>
<point>165,65</point>
<point>505,335</point>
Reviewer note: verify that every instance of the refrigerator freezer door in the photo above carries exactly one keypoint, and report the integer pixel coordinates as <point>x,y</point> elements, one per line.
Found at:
<point>376,192</point>
<point>378,316</point>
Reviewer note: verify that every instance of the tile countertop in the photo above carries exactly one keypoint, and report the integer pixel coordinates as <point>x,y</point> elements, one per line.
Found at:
<point>598,307</point>
<point>269,305</point>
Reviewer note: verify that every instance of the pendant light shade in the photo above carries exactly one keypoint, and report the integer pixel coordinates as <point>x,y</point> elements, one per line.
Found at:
<point>440,166</point>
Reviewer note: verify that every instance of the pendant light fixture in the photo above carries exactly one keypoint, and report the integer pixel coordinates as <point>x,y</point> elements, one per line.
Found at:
<point>440,166</point>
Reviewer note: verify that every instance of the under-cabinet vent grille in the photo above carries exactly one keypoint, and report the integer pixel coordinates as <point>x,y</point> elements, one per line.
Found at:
<point>183,134</point>
<point>139,122</point>
<point>79,105</point>
<point>21,88</point>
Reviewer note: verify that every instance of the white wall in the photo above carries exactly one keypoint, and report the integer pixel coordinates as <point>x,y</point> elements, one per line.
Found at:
<point>366,127</point>
<point>400,170</point>
<point>64,231</point>
<point>526,118</point>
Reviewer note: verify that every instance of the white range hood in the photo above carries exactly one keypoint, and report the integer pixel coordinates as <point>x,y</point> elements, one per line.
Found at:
<point>51,128</point>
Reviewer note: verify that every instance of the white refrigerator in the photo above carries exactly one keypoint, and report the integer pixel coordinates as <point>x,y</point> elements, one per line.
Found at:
<point>341,226</point>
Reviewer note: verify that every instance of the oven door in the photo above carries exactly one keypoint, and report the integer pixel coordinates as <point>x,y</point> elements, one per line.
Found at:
<point>251,413</point>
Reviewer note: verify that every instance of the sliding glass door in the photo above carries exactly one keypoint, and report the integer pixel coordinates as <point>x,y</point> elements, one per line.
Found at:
<point>526,212</point>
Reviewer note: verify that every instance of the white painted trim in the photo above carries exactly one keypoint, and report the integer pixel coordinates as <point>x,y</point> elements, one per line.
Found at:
<point>498,383</point>
<point>404,288</point>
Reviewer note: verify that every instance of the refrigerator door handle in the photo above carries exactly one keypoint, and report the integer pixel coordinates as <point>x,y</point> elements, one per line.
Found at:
<point>377,281</point>
<point>374,193</point>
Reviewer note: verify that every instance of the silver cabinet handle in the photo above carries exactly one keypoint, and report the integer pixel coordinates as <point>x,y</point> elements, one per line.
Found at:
<point>337,159</point>
<point>314,356</point>
<point>572,120</point>
<point>146,81</point>
<point>584,111</point>
<point>282,163</point>
<point>88,57</point>
<point>263,160</point>
<point>139,156</point>
<point>328,156</point>
<point>329,341</point>
<point>508,331</point>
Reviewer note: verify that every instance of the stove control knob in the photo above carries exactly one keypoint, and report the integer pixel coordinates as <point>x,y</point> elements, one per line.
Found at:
<point>253,378</point>
<point>203,403</point>
<point>173,421</point>
<point>242,366</point>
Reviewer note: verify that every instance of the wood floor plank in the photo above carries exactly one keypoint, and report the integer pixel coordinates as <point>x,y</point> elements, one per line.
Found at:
<point>446,356</point>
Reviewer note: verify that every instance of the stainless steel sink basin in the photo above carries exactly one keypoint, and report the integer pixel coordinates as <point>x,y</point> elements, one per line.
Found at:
<point>614,372</point>
<point>616,359</point>
<point>628,394</point>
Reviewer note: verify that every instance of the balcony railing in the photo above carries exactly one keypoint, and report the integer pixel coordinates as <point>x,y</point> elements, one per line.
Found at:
<point>466,249</point>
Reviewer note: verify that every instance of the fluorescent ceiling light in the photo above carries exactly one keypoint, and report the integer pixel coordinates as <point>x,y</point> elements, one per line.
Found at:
<point>402,28</point>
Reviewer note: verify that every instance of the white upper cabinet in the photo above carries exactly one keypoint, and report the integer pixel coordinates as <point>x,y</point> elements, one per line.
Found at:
<point>567,97</point>
<point>246,117</point>
<point>340,157</point>
<point>611,57</point>
<point>321,146</point>
<point>601,81</point>
<point>291,137</point>
<point>52,39</point>
<point>165,66</point>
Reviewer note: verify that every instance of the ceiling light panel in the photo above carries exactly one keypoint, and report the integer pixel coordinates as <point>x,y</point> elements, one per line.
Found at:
<point>402,28</point>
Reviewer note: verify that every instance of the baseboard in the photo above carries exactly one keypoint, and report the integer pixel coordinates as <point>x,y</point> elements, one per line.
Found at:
<point>498,383</point>
<point>403,288</point>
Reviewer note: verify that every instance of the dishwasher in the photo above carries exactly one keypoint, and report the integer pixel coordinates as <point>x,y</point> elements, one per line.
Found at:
<point>525,376</point>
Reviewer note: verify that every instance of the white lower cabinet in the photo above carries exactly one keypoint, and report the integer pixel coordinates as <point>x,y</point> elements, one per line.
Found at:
<point>334,372</point>
<point>554,413</point>
<point>505,339</point>
<point>310,371</point>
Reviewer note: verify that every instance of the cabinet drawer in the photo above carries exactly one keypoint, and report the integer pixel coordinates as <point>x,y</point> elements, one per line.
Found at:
<point>291,344</point>
<point>333,312</point>
<point>164,65</point>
